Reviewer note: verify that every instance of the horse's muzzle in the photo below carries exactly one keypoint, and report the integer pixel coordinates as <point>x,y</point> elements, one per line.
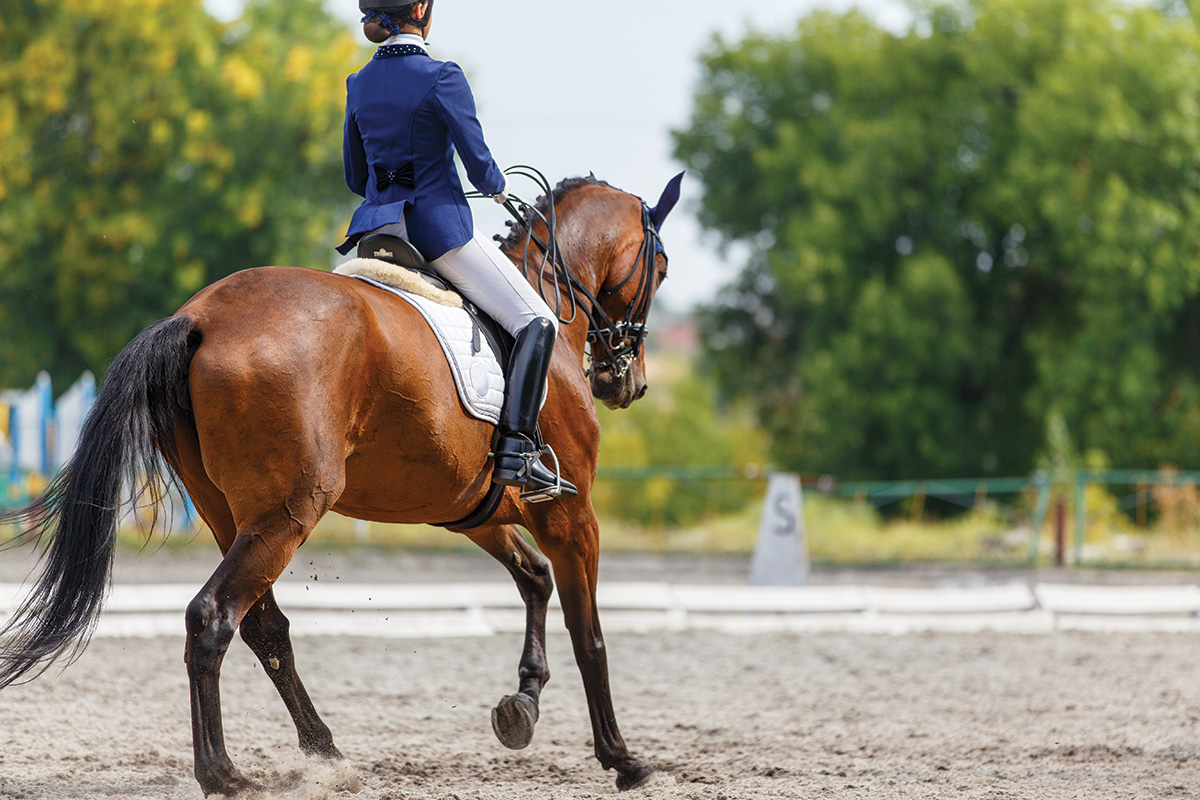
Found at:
<point>617,391</point>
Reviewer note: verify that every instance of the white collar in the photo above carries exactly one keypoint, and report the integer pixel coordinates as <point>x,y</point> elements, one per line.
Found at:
<point>406,38</point>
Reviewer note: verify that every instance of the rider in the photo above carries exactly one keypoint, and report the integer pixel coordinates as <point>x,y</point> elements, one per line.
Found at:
<point>406,116</point>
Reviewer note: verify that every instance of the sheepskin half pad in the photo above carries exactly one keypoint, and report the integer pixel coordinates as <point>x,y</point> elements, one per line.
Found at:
<point>398,277</point>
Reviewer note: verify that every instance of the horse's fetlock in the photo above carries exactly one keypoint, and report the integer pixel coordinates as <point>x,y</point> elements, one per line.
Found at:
<point>535,672</point>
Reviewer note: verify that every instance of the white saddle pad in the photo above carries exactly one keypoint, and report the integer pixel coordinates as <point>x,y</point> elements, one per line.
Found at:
<point>477,373</point>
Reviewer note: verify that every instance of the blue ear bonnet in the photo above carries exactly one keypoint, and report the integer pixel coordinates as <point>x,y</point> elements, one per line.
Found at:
<point>666,202</point>
<point>651,229</point>
<point>658,215</point>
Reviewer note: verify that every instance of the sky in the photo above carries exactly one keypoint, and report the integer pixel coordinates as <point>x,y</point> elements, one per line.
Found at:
<point>573,87</point>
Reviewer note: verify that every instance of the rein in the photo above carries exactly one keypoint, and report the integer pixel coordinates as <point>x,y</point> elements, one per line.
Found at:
<point>617,341</point>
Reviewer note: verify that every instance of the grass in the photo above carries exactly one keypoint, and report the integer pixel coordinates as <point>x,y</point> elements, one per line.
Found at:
<point>838,532</point>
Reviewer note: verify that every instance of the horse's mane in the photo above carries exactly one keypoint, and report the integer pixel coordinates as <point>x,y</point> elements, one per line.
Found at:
<point>519,231</point>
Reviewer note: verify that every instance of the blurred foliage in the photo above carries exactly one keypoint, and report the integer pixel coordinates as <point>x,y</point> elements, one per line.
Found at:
<point>841,532</point>
<point>957,232</point>
<point>677,424</point>
<point>150,150</point>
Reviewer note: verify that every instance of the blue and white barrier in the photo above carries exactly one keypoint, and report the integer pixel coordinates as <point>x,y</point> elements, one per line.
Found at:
<point>69,413</point>
<point>38,436</point>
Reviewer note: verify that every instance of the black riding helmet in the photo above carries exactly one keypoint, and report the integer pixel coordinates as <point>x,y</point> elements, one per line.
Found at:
<point>386,6</point>
<point>397,10</point>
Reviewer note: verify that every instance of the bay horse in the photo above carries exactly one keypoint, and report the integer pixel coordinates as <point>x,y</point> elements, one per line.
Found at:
<point>278,394</point>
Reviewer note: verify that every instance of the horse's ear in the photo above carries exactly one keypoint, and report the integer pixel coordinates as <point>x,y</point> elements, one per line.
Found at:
<point>670,197</point>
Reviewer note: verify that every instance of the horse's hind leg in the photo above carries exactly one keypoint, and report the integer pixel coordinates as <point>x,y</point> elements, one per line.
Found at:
<point>265,630</point>
<point>514,717</point>
<point>257,557</point>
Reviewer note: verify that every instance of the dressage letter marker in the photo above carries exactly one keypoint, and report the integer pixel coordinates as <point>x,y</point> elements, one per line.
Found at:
<point>781,555</point>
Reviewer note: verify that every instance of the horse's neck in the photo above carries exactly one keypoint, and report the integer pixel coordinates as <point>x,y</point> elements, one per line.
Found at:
<point>584,256</point>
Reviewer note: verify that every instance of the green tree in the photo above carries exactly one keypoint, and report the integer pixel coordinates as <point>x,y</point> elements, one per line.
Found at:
<point>150,150</point>
<point>679,424</point>
<point>957,231</point>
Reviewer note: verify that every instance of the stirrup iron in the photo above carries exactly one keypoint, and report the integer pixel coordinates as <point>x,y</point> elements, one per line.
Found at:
<point>543,493</point>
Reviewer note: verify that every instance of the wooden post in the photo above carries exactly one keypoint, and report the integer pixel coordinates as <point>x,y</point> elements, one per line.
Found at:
<point>918,506</point>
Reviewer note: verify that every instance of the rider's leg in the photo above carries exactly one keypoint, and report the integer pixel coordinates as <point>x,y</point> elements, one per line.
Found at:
<point>492,282</point>
<point>489,280</point>
<point>516,462</point>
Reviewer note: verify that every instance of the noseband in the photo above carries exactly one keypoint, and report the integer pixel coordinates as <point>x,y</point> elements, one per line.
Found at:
<point>613,345</point>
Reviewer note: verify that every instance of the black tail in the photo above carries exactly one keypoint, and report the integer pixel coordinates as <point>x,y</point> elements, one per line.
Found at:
<point>131,423</point>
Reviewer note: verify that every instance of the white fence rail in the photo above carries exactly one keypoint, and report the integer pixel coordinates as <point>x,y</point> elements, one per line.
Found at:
<point>484,609</point>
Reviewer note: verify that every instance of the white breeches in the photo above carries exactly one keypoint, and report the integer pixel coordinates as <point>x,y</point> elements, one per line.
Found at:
<point>489,280</point>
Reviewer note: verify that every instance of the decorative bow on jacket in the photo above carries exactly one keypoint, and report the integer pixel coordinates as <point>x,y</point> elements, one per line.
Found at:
<point>400,177</point>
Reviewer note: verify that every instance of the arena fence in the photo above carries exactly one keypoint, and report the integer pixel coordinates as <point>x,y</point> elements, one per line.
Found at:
<point>38,434</point>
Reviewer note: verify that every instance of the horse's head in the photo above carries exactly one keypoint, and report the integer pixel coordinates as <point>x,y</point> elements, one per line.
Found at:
<point>626,289</point>
<point>610,243</point>
<point>627,264</point>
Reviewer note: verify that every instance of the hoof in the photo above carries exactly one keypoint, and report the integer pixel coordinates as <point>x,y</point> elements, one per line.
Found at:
<point>230,785</point>
<point>513,719</point>
<point>327,751</point>
<point>635,778</point>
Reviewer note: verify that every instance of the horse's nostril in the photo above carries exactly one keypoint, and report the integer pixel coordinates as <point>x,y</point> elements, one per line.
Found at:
<point>641,392</point>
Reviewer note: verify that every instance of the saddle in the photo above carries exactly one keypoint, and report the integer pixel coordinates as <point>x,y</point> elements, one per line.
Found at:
<point>397,251</point>
<point>394,250</point>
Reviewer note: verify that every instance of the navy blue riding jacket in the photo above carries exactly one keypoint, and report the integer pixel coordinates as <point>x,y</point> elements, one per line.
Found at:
<point>406,115</point>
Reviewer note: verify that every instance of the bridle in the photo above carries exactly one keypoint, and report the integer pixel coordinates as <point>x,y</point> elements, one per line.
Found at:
<point>613,345</point>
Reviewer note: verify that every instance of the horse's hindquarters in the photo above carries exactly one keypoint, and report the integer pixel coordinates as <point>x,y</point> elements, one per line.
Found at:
<point>325,391</point>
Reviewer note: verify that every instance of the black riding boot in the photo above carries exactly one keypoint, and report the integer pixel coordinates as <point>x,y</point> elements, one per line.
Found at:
<point>517,452</point>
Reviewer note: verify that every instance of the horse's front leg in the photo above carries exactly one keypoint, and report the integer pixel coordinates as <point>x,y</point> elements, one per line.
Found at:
<point>514,717</point>
<point>575,559</point>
